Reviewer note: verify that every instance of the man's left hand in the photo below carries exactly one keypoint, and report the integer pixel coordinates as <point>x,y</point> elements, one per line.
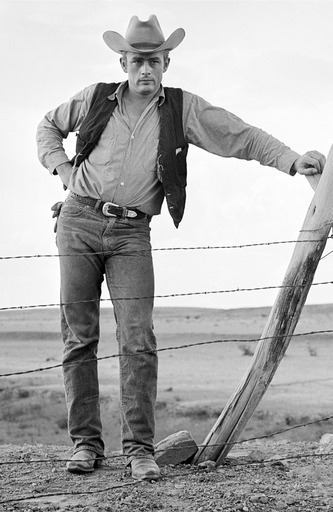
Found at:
<point>312,162</point>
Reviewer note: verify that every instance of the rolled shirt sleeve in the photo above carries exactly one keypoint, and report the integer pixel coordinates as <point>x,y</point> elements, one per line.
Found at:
<point>220,132</point>
<point>57,124</point>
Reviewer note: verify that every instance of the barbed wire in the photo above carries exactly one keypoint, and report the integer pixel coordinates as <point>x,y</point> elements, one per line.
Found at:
<point>187,472</point>
<point>72,493</point>
<point>165,349</point>
<point>178,448</point>
<point>297,382</point>
<point>327,254</point>
<point>266,436</point>
<point>165,296</point>
<point>160,249</point>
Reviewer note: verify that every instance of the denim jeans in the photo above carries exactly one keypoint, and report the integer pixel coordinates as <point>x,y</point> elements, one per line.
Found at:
<point>92,246</point>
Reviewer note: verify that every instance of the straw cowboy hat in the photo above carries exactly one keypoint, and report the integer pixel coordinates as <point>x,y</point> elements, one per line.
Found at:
<point>143,37</point>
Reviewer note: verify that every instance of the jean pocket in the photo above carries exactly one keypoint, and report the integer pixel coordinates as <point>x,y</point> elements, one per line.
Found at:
<point>73,209</point>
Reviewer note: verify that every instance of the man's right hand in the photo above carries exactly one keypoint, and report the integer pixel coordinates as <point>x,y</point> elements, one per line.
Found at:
<point>65,171</point>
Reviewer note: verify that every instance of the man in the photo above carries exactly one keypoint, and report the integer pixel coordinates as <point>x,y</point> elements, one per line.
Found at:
<point>131,153</point>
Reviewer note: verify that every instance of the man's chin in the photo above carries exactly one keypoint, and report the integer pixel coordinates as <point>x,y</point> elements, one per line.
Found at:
<point>147,88</point>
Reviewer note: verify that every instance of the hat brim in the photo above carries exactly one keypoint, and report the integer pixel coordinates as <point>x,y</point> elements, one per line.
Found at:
<point>118,44</point>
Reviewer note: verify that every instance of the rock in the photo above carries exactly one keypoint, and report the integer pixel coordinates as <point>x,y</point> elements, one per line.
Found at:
<point>326,439</point>
<point>276,462</point>
<point>207,464</point>
<point>259,498</point>
<point>325,444</point>
<point>256,456</point>
<point>232,461</point>
<point>280,505</point>
<point>176,448</point>
<point>290,499</point>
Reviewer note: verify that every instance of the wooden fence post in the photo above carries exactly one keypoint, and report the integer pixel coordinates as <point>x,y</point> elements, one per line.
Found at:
<point>280,324</point>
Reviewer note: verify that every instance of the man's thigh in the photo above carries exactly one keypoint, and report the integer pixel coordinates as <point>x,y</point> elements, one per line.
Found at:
<point>130,274</point>
<point>81,261</point>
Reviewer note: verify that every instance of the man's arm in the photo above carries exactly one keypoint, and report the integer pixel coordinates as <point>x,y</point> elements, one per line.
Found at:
<point>220,132</point>
<point>55,127</point>
<point>64,171</point>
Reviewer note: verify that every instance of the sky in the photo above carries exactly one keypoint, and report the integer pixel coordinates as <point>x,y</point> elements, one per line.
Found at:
<point>269,62</point>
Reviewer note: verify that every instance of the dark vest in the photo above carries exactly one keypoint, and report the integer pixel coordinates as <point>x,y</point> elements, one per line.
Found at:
<point>172,149</point>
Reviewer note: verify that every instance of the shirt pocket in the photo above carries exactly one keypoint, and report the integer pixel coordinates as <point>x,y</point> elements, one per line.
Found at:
<point>103,153</point>
<point>149,162</point>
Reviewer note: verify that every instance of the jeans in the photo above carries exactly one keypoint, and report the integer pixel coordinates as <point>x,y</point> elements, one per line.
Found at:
<point>92,246</point>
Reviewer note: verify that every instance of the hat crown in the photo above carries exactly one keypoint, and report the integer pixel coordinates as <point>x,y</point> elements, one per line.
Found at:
<point>144,33</point>
<point>143,37</point>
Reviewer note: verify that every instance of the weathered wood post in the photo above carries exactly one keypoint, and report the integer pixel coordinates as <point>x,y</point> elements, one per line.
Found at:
<point>280,324</point>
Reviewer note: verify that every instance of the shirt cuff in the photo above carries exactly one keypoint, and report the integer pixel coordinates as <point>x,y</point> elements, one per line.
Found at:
<point>56,159</point>
<point>287,160</point>
<point>292,171</point>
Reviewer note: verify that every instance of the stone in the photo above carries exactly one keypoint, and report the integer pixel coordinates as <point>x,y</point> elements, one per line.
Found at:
<point>207,464</point>
<point>326,439</point>
<point>290,499</point>
<point>280,505</point>
<point>276,462</point>
<point>256,456</point>
<point>260,498</point>
<point>325,444</point>
<point>175,449</point>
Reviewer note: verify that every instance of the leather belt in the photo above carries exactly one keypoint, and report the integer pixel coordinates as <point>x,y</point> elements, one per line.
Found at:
<point>110,209</point>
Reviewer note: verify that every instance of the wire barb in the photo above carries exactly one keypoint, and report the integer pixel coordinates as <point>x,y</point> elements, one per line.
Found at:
<point>166,296</point>
<point>160,249</point>
<point>165,349</point>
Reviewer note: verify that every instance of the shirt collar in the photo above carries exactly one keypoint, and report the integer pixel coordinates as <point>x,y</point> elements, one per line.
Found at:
<point>118,94</point>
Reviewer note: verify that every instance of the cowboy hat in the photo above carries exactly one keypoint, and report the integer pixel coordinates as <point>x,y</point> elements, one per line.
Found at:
<point>143,37</point>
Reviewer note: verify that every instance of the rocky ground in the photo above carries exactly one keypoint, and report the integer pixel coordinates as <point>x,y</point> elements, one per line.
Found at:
<point>257,476</point>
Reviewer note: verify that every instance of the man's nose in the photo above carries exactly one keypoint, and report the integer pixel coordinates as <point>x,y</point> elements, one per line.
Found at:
<point>145,70</point>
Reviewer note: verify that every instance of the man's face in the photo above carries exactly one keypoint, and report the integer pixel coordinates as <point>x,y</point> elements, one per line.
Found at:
<point>145,71</point>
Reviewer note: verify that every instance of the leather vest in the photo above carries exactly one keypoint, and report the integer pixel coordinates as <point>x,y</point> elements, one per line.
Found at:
<point>172,149</point>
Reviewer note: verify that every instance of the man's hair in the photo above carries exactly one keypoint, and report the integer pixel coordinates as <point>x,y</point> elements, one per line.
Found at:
<point>165,55</point>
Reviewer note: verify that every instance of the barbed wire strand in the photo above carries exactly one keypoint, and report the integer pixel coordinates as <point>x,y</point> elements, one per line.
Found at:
<point>192,471</point>
<point>72,493</point>
<point>176,448</point>
<point>165,349</point>
<point>160,249</point>
<point>325,255</point>
<point>171,295</point>
<point>328,223</point>
<point>297,382</point>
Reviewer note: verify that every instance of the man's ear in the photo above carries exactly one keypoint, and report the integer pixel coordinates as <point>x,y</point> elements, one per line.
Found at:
<point>166,64</point>
<point>123,63</point>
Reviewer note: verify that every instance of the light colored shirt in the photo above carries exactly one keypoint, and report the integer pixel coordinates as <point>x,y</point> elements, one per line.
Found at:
<point>122,167</point>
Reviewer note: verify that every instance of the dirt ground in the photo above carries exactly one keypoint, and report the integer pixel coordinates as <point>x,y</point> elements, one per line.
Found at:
<point>204,353</point>
<point>258,477</point>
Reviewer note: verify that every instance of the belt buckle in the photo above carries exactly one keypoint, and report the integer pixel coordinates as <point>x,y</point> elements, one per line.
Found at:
<point>105,209</point>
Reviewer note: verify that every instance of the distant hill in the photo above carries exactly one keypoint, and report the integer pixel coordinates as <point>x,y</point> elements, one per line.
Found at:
<point>239,320</point>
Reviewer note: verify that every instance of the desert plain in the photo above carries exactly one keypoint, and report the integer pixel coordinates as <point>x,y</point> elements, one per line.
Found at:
<point>203,356</point>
